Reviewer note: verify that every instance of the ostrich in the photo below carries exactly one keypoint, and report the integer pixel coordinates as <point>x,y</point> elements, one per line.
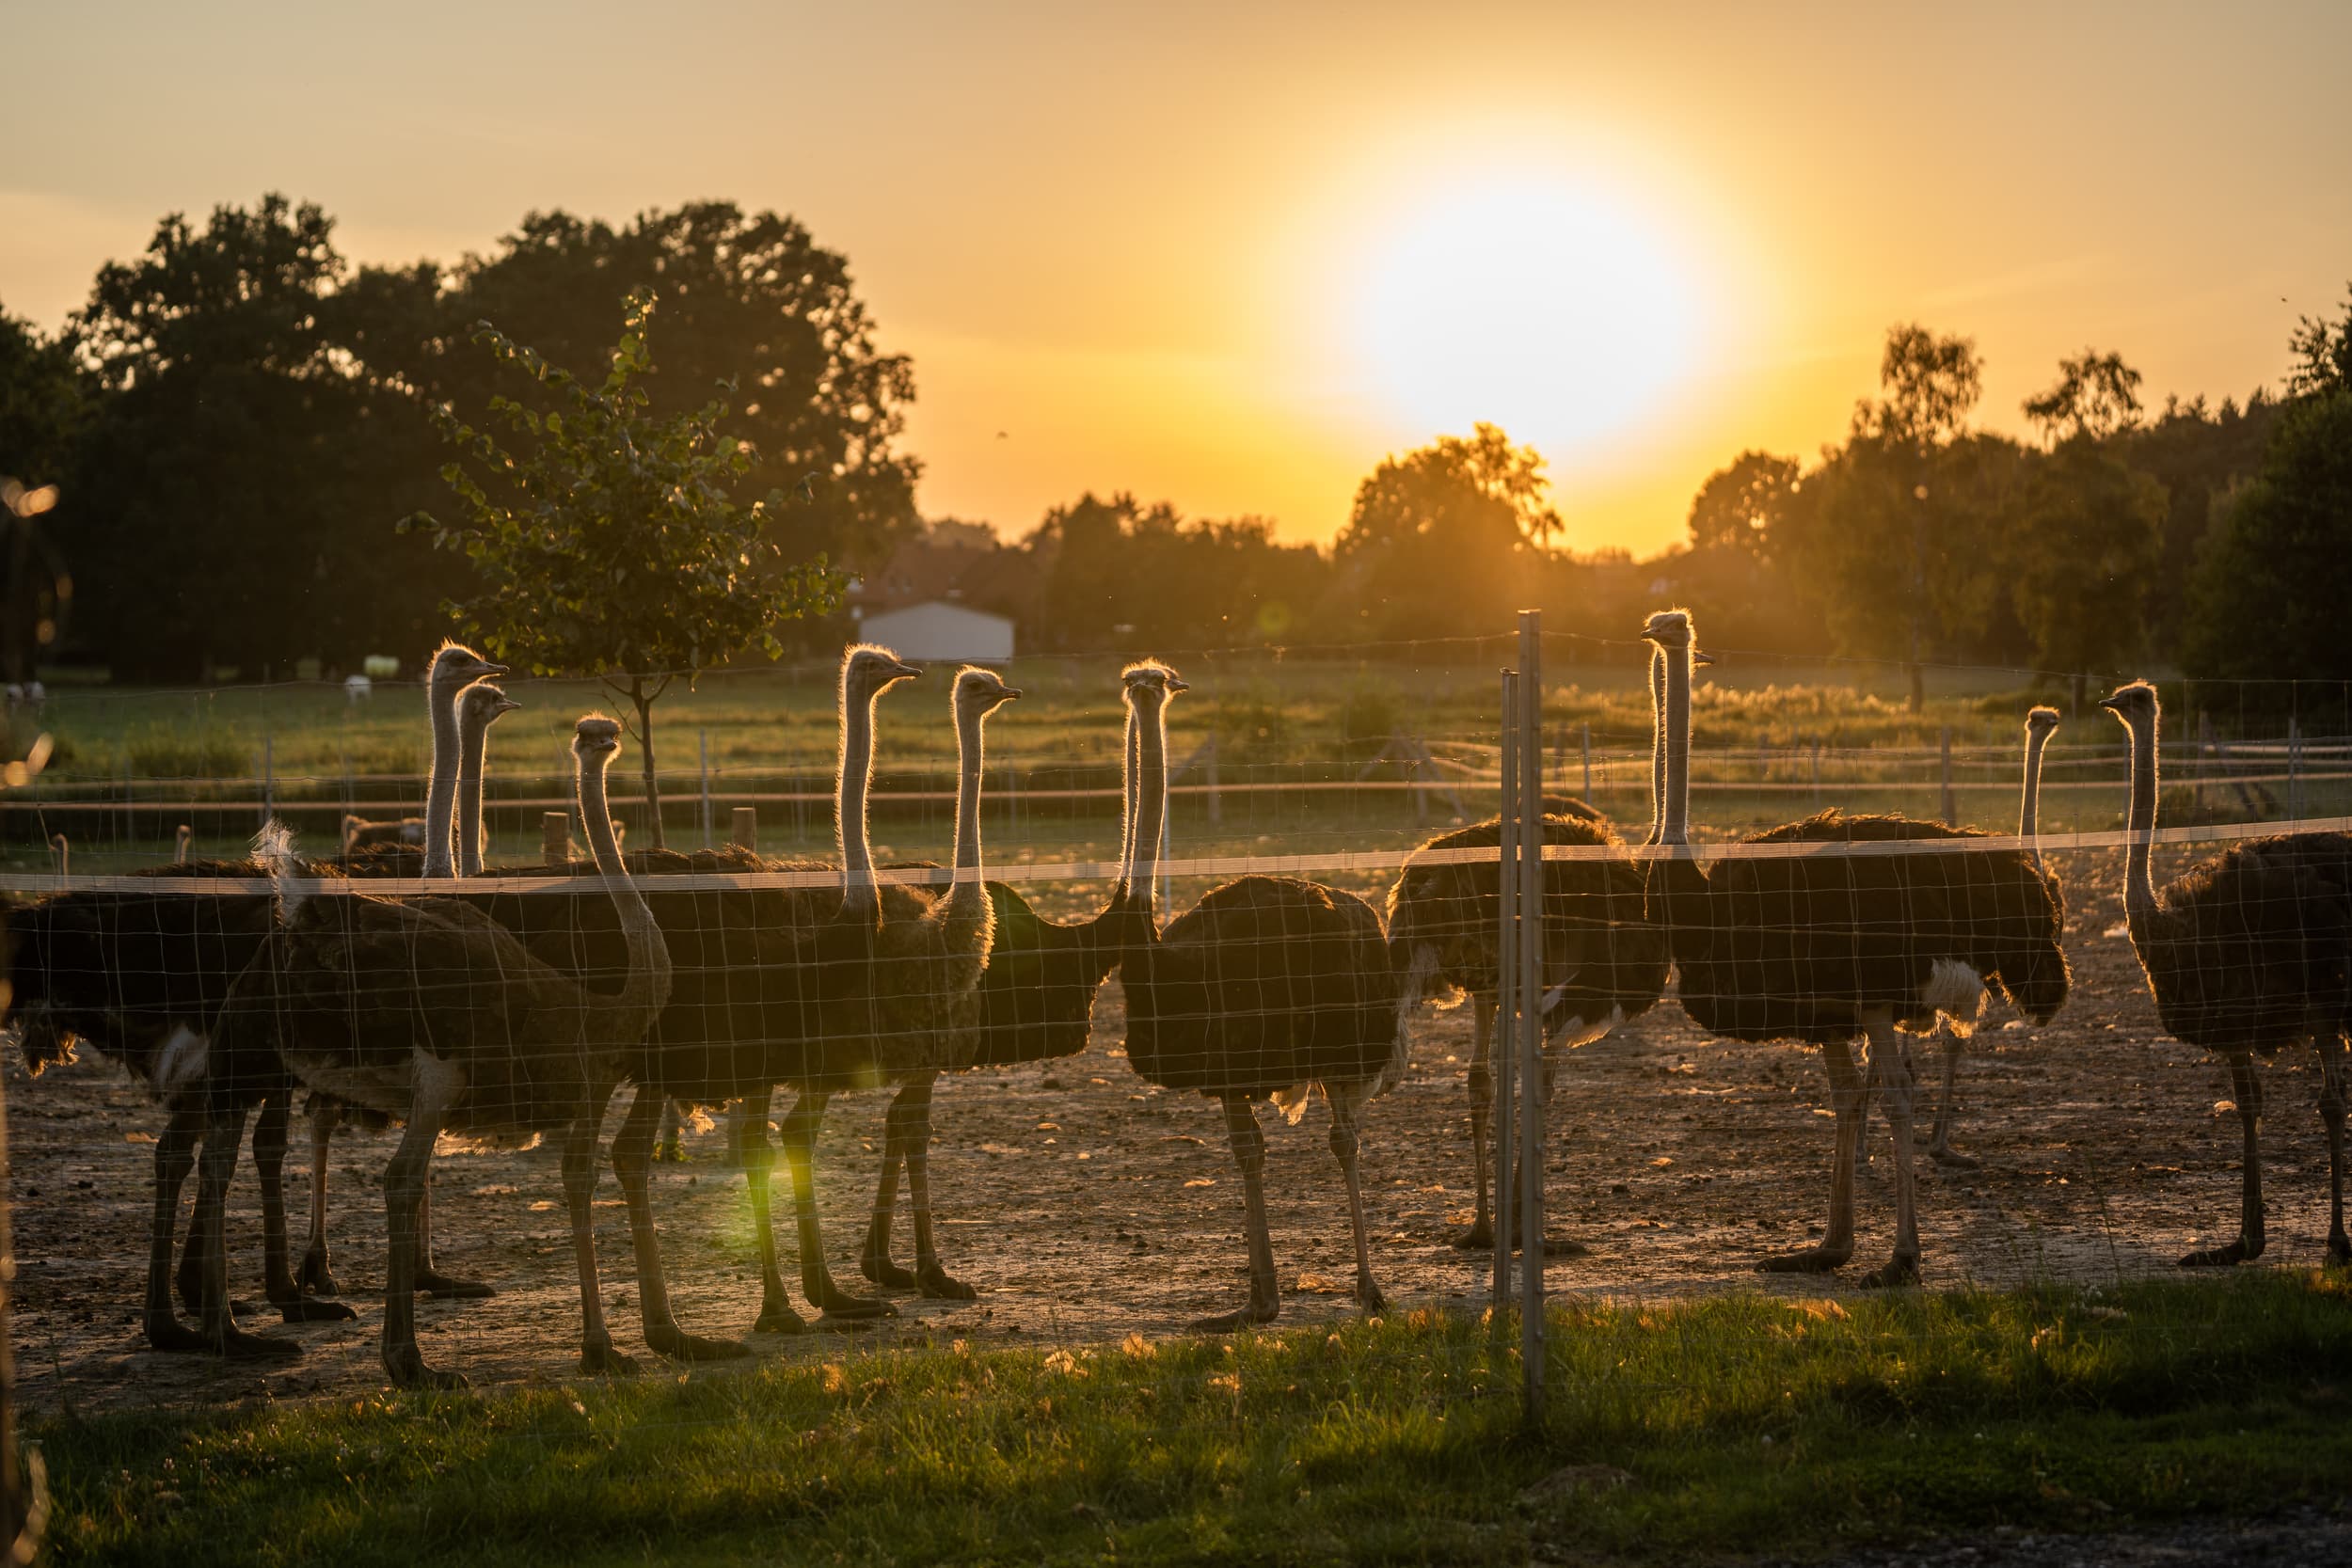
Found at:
<point>1603,961</point>
<point>428,1011</point>
<point>1825,949</point>
<point>62,852</point>
<point>1036,1003</point>
<point>142,978</point>
<point>2248,952</point>
<point>479,706</point>
<point>2041,723</point>
<point>180,844</point>
<point>461,711</point>
<point>1267,988</point>
<point>820,993</point>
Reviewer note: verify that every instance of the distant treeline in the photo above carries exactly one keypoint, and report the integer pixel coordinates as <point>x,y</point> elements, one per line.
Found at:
<point>239,417</point>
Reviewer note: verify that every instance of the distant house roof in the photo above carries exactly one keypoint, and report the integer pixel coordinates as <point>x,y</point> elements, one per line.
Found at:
<point>952,563</point>
<point>936,629</point>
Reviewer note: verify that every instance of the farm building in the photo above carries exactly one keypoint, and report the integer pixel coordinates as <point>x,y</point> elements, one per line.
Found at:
<point>936,629</point>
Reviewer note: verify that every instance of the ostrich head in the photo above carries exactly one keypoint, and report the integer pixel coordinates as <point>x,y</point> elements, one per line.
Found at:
<point>2040,721</point>
<point>1669,628</point>
<point>981,691</point>
<point>1152,674</point>
<point>456,667</point>
<point>868,671</point>
<point>482,703</point>
<point>2134,704</point>
<point>595,739</point>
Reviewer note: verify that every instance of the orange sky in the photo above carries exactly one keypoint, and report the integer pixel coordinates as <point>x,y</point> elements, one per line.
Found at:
<point>1212,255</point>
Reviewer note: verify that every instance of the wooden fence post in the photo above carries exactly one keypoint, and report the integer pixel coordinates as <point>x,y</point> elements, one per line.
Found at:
<point>1951,813</point>
<point>555,838</point>
<point>745,832</point>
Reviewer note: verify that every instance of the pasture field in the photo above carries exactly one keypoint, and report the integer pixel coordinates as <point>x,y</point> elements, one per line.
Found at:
<point>1677,1433</point>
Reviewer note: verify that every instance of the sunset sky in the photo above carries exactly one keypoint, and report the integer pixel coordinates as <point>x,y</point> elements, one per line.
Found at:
<point>1229,257</point>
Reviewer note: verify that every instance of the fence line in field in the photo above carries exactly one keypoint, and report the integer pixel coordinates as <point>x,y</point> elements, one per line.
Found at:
<point>1198,865</point>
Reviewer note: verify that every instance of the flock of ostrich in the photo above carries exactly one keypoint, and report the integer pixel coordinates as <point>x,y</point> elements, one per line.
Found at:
<point>519,1008</point>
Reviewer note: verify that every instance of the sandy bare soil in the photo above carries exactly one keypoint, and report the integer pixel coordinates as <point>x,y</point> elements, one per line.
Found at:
<point>1085,1205</point>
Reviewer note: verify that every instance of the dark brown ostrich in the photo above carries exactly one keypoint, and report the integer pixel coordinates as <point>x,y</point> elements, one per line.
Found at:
<point>1825,948</point>
<point>2248,953</point>
<point>1268,987</point>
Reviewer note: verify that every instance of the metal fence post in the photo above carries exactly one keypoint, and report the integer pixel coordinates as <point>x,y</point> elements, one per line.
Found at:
<point>1584,734</point>
<point>2294,768</point>
<point>1503,1039</point>
<point>702,752</point>
<point>1530,1021</point>
<point>1208,767</point>
<point>269,782</point>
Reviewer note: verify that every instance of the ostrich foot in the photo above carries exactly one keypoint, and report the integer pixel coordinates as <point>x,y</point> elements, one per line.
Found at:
<point>1896,1272</point>
<point>1945,1154</point>
<point>406,1368</point>
<point>1241,1317</point>
<point>310,1310</point>
<point>831,1324</point>
<point>876,1265</point>
<point>2339,1250</point>
<point>313,1277</point>
<point>937,1283</point>
<point>442,1286</point>
<point>670,1153</point>
<point>680,1346</point>
<point>174,1337</point>
<point>1812,1260</point>
<point>775,1317</point>
<point>833,1301</point>
<point>597,1355</point>
<point>1478,1238</point>
<point>2240,1251</point>
<point>1368,1297</point>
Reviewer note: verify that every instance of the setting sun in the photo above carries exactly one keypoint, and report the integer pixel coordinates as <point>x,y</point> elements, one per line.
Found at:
<point>1529,301</point>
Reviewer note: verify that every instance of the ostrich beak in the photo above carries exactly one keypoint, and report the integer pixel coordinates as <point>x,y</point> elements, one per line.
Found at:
<point>2109,704</point>
<point>508,705</point>
<point>490,669</point>
<point>901,669</point>
<point>1007,693</point>
<point>1176,685</point>
<point>1701,660</point>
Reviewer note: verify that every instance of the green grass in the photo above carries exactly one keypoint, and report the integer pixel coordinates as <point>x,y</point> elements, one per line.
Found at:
<point>1744,1424</point>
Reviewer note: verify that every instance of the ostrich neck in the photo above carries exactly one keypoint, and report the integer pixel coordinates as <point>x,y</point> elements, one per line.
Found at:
<point>965,909</point>
<point>1656,746</point>
<point>860,897</point>
<point>1151,805</point>
<point>1675,824</point>
<point>473,736</point>
<point>2139,888</point>
<point>1129,767</point>
<point>2029,802</point>
<point>646,989</point>
<point>440,796</point>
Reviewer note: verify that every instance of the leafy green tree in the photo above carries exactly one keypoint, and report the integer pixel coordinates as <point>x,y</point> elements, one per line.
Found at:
<point>2085,543</point>
<point>45,400</point>
<point>2276,573</point>
<point>1741,507</point>
<point>1896,546</point>
<point>1117,573</point>
<point>2097,396</point>
<point>2323,354</point>
<point>1442,540</point>
<point>746,298</point>
<point>232,493</point>
<point>2199,453</point>
<point>607,537</point>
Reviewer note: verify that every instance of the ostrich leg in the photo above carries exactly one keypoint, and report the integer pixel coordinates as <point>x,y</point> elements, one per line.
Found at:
<point>224,1132</point>
<point>1940,1148</point>
<point>175,1156</point>
<point>1889,1075</point>
<point>747,1134</point>
<point>634,1153</point>
<point>1482,1103</point>
<point>437,1086</point>
<point>314,1276</point>
<point>874,1258</point>
<point>431,1280</point>
<point>269,1162</point>
<point>1845,1098</point>
<point>2331,1108</point>
<point>910,1134</point>
<point>2247,1082</point>
<point>597,1353</point>
<point>1346,1144</point>
<point>1248,1140</point>
<point>799,1151</point>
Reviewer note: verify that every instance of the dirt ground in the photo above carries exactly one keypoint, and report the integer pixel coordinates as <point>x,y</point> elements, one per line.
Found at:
<point>1085,1205</point>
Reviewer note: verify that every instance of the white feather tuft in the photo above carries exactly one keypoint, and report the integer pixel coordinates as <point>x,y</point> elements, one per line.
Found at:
<point>273,847</point>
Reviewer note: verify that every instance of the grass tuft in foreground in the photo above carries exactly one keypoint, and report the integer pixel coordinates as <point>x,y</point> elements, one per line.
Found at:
<point>1716,1427</point>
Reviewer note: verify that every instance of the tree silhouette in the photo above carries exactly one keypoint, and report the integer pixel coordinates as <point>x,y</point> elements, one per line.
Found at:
<point>1437,539</point>
<point>2097,396</point>
<point>1741,507</point>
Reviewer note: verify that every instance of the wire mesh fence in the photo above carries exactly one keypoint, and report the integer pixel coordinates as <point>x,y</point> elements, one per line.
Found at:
<point>1073,1195</point>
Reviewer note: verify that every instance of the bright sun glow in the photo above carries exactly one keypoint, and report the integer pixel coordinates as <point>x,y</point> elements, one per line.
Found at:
<point>1527,302</point>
